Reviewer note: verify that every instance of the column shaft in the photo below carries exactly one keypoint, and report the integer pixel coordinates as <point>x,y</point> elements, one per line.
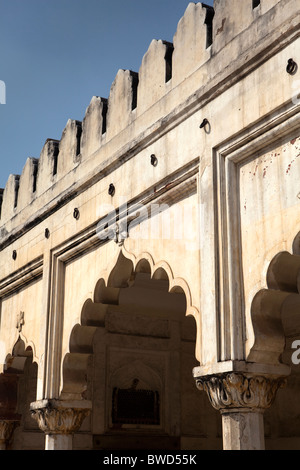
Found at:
<point>243,431</point>
<point>59,442</point>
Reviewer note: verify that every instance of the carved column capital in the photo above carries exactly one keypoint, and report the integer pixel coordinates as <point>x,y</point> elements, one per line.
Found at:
<point>7,427</point>
<point>232,391</point>
<point>59,417</point>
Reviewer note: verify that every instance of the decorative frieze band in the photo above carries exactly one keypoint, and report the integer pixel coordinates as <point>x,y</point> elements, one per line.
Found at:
<point>231,391</point>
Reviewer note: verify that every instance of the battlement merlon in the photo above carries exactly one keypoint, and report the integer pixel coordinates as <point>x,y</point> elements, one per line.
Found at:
<point>212,43</point>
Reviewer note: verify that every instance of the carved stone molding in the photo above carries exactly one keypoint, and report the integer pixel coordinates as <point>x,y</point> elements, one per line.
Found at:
<point>58,417</point>
<point>121,233</point>
<point>231,391</point>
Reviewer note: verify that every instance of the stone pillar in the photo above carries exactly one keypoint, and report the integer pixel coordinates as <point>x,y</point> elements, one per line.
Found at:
<point>59,420</point>
<point>241,399</point>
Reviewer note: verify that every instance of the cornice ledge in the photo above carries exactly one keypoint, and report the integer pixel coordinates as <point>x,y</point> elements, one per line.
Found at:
<point>23,276</point>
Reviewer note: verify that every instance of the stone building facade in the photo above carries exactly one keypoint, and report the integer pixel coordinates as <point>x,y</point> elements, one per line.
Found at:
<point>150,258</point>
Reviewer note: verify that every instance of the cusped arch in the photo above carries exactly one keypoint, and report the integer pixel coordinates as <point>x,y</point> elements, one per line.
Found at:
<point>162,270</point>
<point>112,290</point>
<point>18,382</point>
<point>20,352</point>
<point>275,310</point>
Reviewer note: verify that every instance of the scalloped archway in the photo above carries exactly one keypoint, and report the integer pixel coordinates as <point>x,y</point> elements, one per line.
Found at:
<point>114,291</point>
<point>18,385</point>
<point>275,310</point>
<point>145,318</point>
<point>275,314</point>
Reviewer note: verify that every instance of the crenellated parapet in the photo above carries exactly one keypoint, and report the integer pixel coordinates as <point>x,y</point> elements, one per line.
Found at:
<point>47,166</point>
<point>154,74</point>
<point>93,126</point>
<point>121,102</point>
<point>199,44</point>
<point>10,198</point>
<point>69,147</point>
<point>192,41</point>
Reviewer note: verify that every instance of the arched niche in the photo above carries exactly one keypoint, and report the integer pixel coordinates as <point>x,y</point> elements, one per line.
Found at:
<point>18,385</point>
<point>137,340</point>
<point>133,285</point>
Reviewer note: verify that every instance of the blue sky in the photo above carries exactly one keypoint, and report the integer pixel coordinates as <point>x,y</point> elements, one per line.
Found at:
<point>55,55</point>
